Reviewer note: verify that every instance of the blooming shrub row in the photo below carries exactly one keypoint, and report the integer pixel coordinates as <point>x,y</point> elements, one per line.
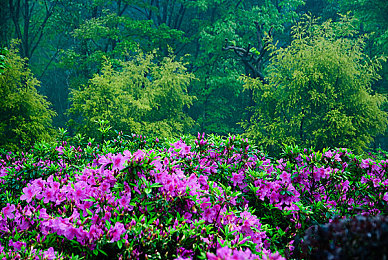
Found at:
<point>192,198</point>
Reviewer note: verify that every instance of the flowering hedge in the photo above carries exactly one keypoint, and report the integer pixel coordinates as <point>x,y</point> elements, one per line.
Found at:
<point>192,198</point>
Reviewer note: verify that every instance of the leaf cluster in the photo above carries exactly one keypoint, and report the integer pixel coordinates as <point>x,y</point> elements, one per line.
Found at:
<point>25,114</point>
<point>140,95</point>
<point>319,91</point>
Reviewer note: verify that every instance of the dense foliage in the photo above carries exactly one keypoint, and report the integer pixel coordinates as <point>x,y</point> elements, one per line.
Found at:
<point>69,45</point>
<point>319,90</point>
<point>189,198</point>
<point>25,114</point>
<point>140,95</point>
<point>3,53</point>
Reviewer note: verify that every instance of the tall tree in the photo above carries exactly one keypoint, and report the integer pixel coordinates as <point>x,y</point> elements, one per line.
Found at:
<point>30,18</point>
<point>25,115</point>
<point>5,22</point>
<point>218,64</point>
<point>117,27</point>
<point>319,91</point>
<point>141,95</point>
<point>373,19</point>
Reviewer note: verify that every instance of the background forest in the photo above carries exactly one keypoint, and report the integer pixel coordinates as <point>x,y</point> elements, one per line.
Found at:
<point>310,73</point>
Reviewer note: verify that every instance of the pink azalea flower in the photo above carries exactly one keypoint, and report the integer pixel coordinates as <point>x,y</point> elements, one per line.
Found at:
<point>237,178</point>
<point>8,211</point>
<point>138,156</point>
<point>286,177</point>
<point>117,231</point>
<point>40,183</point>
<point>203,181</point>
<point>376,182</point>
<point>206,204</point>
<point>59,149</point>
<point>104,187</point>
<point>224,252</point>
<point>318,173</point>
<point>17,245</point>
<point>274,197</point>
<point>70,232</point>
<point>209,215</point>
<point>24,224</point>
<point>364,180</point>
<point>127,154</point>
<point>337,157</point>
<point>81,235</point>
<point>49,254</point>
<point>27,210</point>
<point>29,192</point>
<point>124,201</point>
<point>267,255</point>
<point>49,195</point>
<point>385,196</point>
<point>241,255</point>
<point>94,233</point>
<point>328,154</point>
<point>80,191</point>
<point>104,161</point>
<point>43,214</point>
<point>211,256</point>
<point>59,224</point>
<point>118,161</point>
<point>60,197</point>
<point>365,163</point>
<point>3,172</point>
<point>180,147</point>
<point>55,185</point>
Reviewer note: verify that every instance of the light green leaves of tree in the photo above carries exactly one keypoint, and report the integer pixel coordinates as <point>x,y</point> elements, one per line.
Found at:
<point>319,91</point>
<point>140,95</point>
<point>25,114</point>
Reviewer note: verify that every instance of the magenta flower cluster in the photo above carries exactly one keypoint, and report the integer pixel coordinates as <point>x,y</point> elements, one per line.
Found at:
<point>216,197</point>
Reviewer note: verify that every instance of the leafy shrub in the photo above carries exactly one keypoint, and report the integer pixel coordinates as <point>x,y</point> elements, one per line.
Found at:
<point>140,95</point>
<point>188,198</point>
<point>25,114</point>
<point>318,91</point>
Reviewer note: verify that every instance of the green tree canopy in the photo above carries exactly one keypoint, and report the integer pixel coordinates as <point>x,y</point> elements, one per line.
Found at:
<point>221,101</point>
<point>319,91</point>
<point>25,115</point>
<point>373,17</point>
<point>139,96</point>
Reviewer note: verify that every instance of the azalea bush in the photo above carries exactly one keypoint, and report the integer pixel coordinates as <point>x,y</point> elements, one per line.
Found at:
<point>203,197</point>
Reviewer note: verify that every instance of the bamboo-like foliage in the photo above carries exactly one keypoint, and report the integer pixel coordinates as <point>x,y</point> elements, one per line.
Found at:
<point>319,90</point>
<point>137,96</point>
<point>25,115</point>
